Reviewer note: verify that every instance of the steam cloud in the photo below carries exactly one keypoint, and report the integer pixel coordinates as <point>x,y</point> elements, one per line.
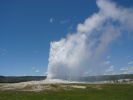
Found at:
<point>80,53</point>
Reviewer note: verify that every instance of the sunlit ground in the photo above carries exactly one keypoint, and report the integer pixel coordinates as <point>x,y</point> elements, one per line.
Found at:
<point>72,92</point>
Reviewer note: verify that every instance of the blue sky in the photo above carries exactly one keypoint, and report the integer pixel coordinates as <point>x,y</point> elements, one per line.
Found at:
<point>28,26</point>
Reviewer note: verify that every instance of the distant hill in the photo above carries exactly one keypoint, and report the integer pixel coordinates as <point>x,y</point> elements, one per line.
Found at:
<point>107,78</point>
<point>17,79</point>
<point>113,78</point>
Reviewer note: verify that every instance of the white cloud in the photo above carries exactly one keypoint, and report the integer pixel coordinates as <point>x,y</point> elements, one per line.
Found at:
<point>37,71</point>
<point>3,51</point>
<point>126,70</point>
<point>65,21</point>
<point>107,62</point>
<point>24,74</point>
<point>110,69</point>
<point>82,51</point>
<point>131,62</point>
<point>51,20</point>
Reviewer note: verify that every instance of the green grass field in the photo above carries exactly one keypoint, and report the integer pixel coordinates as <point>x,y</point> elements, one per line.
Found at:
<point>92,92</point>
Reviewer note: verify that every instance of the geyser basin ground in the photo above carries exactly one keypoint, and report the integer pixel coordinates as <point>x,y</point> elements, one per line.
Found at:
<point>55,84</point>
<point>71,92</point>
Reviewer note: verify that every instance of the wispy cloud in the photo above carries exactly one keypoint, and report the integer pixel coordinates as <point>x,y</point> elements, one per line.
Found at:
<point>110,69</point>
<point>65,21</point>
<point>107,62</point>
<point>3,51</point>
<point>37,71</point>
<point>51,20</point>
<point>131,62</point>
<point>126,70</point>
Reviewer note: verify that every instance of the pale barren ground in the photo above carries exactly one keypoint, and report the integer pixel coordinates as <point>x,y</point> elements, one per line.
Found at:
<point>40,90</point>
<point>40,86</point>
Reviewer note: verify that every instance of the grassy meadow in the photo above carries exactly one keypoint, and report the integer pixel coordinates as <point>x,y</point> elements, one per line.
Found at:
<point>91,92</point>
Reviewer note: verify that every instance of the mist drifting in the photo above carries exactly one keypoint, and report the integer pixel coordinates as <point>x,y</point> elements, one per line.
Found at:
<point>80,53</point>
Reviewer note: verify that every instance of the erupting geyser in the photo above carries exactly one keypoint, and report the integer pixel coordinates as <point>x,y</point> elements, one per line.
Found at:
<point>80,53</point>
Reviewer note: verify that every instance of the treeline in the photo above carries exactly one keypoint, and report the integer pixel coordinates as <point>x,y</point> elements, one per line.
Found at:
<point>17,79</point>
<point>114,78</point>
<point>107,77</point>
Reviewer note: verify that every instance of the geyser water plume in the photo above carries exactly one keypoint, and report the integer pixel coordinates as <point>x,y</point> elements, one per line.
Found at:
<point>79,53</point>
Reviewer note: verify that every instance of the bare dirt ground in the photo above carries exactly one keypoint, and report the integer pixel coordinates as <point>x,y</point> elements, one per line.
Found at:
<point>41,86</point>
